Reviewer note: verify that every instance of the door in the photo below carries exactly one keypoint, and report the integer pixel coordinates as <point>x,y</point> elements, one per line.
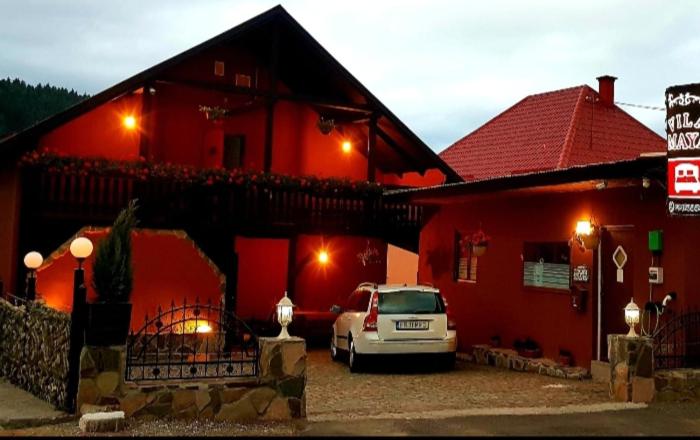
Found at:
<point>617,266</point>
<point>233,151</point>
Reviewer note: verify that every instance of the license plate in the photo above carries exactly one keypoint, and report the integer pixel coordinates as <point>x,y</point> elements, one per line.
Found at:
<point>411,325</point>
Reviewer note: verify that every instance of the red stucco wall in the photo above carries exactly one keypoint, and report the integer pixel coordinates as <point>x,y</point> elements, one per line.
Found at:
<point>157,280</point>
<point>99,132</point>
<point>498,304</point>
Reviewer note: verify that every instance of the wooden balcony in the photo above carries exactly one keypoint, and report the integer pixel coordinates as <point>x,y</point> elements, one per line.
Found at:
<point>95,199</point>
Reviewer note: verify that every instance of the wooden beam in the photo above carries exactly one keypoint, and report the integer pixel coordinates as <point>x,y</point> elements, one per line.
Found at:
<point>371,149</point>
<point>269,134</point>
<point>281,96</point>
<point>271,99</point>
<point>291,266</point>
<point>147,124</point>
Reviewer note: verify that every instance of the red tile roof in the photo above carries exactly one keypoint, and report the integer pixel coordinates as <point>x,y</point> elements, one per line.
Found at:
<point>551,130</point>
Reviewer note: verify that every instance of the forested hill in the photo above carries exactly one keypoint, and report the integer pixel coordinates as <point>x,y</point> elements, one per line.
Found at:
<point>22,104</point>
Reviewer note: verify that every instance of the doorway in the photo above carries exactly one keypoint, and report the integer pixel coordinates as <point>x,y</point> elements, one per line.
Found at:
<point>617,269</point>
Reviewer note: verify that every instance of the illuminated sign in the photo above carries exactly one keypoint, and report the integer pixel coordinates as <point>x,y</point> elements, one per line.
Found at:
<point>683,147</point>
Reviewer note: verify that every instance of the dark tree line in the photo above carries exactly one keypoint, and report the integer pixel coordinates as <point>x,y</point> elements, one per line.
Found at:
<point>22,104</point>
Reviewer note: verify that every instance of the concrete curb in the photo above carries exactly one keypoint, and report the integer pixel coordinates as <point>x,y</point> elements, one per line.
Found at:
<point>449,413</point>
<point>6,424</point>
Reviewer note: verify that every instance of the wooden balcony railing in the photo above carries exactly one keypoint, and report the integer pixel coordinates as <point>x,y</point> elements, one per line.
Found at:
<point>96,199</point>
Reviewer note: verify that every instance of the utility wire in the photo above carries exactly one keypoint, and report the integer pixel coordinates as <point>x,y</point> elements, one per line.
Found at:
<point>647,107</point>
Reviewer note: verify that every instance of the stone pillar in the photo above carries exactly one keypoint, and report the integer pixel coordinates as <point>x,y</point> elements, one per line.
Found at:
<point>101,378</point>
<point>631,368</point>
<point>283,366</point>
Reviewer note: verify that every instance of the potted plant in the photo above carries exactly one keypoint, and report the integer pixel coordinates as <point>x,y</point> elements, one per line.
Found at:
<point>112,278</point>
<point>479,241</point>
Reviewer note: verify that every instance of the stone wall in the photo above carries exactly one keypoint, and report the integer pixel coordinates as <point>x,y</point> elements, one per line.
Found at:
<point>278,393</point>
<point>678,385</point>
<point>509,359</point>
<point>34,343</point>
<point>631,368</point>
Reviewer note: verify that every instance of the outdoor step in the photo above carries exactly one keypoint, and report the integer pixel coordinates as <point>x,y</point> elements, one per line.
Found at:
<point>102,422</point>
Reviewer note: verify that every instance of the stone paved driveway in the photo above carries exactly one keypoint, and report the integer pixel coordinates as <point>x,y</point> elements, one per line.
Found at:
<point>333,392</point>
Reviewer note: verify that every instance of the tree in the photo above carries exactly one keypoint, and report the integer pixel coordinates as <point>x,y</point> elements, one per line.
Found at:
<point>22,104</point>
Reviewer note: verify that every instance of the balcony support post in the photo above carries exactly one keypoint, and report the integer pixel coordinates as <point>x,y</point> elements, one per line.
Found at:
<point>371,148</point>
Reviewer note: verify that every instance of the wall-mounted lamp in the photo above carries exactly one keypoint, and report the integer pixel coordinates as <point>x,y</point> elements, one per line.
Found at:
<point>32,261</point>
<point>587,234</point>
<point>632,317</point>
<point>346,146</point>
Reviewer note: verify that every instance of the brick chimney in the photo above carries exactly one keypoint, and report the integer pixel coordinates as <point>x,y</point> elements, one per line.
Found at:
<point>606,90</point>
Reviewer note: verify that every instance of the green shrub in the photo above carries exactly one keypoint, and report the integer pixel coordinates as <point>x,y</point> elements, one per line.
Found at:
<point>112,271</point>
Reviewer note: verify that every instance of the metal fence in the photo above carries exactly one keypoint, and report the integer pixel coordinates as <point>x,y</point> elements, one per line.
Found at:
<point>677,342</point>
<point>192,341</point>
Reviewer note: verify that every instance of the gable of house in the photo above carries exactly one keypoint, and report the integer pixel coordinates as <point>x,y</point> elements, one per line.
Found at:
<point>268,61</point>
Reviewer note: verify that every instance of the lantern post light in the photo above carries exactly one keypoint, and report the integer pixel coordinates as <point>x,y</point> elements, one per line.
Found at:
<point>80,248</point>
<point>284,315</point>
<point>632,317</point>
<point>33,260</point>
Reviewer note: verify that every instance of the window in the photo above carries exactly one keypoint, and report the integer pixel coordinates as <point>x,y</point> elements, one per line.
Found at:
<point>359,301</point>
<point>465,261</point>
<point>233,151</point>
<point>413,302</point>
<point>546,265</point>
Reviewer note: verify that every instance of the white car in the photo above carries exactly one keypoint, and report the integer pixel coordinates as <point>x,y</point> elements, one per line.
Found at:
<point>393,319</point>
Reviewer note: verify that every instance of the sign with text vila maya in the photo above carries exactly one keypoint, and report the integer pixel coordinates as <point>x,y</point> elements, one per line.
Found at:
<point>683,137</point>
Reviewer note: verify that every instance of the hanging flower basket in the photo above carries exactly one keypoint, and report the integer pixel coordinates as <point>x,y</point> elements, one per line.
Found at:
<point>591,241</point>
<point>478,241</point>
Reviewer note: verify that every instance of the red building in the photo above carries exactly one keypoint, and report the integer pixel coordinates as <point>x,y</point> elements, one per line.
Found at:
<point>532,173</point>
<point>257,144</point>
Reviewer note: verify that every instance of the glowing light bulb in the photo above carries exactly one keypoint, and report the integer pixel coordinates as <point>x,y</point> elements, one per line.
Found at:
<point>347,147</point>
<point>323,257</point>
<point>203,328</point>
<point>129,122</point>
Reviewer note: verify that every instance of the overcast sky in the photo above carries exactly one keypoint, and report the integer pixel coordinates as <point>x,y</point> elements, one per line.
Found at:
<point>444,67</point>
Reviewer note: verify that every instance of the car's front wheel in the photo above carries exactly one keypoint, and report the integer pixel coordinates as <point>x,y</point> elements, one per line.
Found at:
<point>354,359</point>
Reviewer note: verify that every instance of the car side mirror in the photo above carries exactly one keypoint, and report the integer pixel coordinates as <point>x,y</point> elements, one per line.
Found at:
<point>336,309</point>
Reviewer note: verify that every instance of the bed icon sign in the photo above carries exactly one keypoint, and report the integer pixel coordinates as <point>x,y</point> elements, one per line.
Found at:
<point>686,178</point>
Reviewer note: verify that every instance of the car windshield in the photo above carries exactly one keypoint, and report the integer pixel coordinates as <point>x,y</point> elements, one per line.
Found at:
<point>414,302</point>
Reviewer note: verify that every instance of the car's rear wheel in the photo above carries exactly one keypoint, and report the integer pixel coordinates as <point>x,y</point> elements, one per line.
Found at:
<point>354,360</point>
<point>449,361</point>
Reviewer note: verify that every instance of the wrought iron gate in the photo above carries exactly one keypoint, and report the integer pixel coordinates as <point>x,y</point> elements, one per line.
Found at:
<point>677,343</point>
<point>192,341</point>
